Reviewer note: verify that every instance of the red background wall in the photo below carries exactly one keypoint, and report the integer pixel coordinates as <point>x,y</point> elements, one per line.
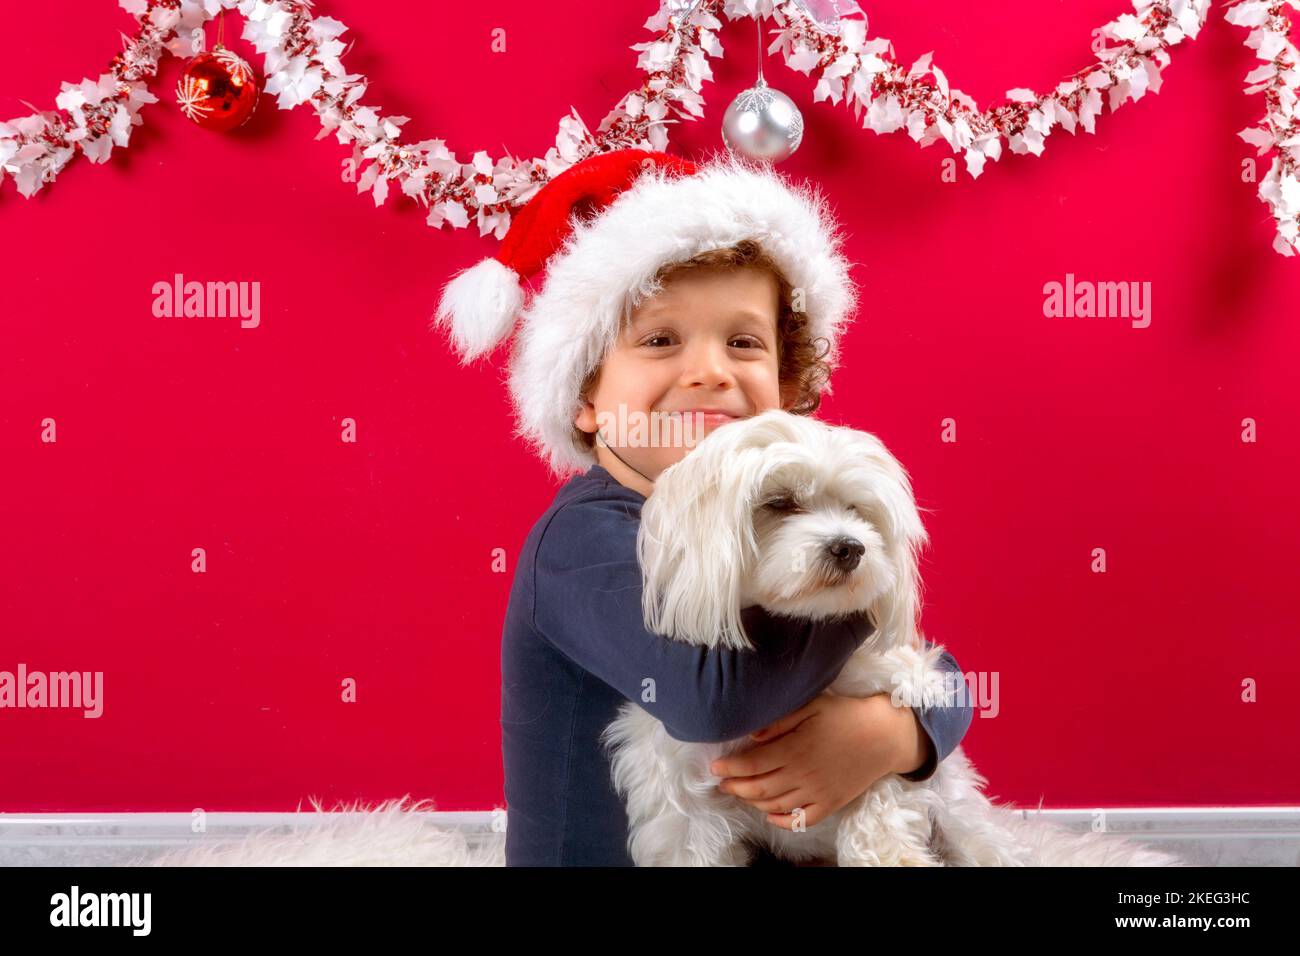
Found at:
<point>373,560</point>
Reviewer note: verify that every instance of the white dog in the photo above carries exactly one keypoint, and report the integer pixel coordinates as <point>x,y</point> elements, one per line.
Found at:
<point>809,521</point>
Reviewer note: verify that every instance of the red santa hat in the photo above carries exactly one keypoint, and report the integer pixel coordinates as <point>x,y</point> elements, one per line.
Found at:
<point>602,230</point>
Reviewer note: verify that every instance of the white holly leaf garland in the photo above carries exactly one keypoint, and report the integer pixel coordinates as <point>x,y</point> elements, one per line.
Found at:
<point>303,54</point>
<point>1279,130</point>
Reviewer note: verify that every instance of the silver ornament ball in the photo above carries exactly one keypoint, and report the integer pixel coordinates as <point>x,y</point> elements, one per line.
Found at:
<point>763,123</point>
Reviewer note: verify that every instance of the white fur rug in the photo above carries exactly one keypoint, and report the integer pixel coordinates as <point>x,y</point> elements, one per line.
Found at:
<point>398,833</point>
<point>1053,845</point>
<point>395,833</point>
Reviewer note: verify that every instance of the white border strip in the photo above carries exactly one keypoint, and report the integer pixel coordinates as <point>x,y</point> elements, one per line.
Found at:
<point>1250,836</point>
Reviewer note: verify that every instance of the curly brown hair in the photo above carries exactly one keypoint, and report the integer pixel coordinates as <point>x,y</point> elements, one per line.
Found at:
<point>802,367</point>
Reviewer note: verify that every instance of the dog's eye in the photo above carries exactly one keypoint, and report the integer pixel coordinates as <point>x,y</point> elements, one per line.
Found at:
<point>783,503</point>
<point>862,511</point>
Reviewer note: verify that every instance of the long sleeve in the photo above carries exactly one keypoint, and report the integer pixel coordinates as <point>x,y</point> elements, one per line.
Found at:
<point>944,725</point>
<point>587,604</point>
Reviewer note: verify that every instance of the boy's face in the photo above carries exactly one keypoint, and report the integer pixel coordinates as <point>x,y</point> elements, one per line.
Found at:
<point>708,340</point>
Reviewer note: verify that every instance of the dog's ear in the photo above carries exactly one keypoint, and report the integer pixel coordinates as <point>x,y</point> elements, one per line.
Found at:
<point>697,540</point>
<point>898,611</point>
<point>900,608</point>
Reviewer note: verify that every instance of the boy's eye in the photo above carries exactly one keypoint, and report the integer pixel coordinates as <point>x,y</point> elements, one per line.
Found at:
<point>663,339</point>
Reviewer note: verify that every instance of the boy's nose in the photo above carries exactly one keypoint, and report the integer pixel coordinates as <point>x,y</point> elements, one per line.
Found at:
<point>707,363</point>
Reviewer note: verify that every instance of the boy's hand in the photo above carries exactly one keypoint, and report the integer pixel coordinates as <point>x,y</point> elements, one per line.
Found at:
<point>822,756</point>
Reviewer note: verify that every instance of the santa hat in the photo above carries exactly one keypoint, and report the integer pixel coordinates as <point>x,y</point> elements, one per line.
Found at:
<point>602,230</point>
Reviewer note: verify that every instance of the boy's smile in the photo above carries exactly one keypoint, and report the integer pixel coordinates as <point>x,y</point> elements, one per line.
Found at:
<point>707,342</point>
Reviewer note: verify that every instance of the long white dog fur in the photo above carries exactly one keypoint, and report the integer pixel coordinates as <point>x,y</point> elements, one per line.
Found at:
<point>808,521</point>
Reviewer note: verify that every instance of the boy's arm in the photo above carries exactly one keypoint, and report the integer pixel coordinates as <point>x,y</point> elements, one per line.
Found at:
<point>944,725</point>
<point>587,604</point>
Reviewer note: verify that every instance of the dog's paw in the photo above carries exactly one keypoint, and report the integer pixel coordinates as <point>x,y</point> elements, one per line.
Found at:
<point>915,678</point>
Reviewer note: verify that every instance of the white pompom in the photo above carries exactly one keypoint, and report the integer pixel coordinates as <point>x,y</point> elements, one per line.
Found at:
<point>479,307</point>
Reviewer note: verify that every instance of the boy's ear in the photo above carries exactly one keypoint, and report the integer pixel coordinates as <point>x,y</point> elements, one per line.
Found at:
<point>585,420</point>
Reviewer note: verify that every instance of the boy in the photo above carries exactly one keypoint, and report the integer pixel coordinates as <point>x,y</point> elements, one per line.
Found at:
<point>719,292</point>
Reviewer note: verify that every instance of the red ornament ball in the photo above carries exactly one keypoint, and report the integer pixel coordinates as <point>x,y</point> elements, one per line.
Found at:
<point>217,90</point>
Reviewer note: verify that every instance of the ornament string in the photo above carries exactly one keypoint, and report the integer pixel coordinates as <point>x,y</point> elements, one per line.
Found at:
<point>303,66</point>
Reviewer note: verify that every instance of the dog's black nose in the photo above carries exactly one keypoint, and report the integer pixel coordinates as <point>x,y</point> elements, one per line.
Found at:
<point>846,552</point>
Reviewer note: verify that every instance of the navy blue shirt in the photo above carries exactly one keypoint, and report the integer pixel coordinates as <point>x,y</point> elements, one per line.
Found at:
<point>575,648</point>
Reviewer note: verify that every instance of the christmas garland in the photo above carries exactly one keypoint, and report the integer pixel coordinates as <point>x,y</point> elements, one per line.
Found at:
<point>1279,80</point>
<point>302,64</point>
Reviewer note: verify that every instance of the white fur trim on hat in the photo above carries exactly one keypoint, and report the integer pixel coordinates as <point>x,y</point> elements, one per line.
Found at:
<point>606,267</point>
<point>479,307</point>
